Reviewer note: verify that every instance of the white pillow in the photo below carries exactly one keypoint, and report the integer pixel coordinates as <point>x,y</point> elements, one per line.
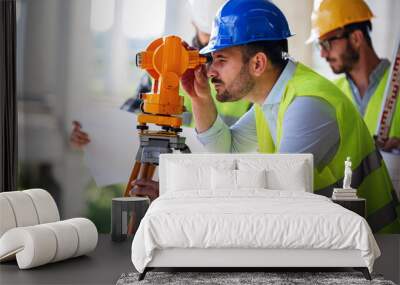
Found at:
<point>187,174</point>
<point>184,177</point>
<point>223,179</point>
<point>292,179</point>
<point>282,174</point>
<point>251,178</point>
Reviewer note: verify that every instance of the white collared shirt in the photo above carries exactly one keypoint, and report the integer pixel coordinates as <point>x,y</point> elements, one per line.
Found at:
<point>309,126</point>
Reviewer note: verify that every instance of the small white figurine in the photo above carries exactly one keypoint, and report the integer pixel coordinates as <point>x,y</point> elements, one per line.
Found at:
<point>347,174</point>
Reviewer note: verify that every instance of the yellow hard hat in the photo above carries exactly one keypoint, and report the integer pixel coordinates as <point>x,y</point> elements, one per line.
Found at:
<point>335,14</point>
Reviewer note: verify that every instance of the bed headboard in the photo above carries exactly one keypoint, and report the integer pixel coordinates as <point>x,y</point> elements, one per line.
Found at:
<point>285,160</point>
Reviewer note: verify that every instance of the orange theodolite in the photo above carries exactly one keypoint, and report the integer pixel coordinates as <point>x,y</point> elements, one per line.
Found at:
<point>166,60</point>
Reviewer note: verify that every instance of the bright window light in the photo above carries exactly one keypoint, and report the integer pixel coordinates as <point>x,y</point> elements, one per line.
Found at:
<point>144,18</point>
<point>102,15</point>
<point>316,4</point>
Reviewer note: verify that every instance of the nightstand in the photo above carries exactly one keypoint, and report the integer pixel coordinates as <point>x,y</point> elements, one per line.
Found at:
<point>356,205</point>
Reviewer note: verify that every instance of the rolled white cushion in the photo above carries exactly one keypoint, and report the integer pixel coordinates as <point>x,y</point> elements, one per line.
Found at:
<point>26,208</point>
<point>67,239</point>
<point>45,205</point>
<point>7,218</point>
<point>37,245</point>
<point>87,234</point>
<point>23,208</point>
<point>33,246</point>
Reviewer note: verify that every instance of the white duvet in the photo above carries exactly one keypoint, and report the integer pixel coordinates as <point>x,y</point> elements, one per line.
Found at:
<point>253,218</point>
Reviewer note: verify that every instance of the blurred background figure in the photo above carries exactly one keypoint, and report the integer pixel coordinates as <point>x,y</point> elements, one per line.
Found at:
<point>342,30</point>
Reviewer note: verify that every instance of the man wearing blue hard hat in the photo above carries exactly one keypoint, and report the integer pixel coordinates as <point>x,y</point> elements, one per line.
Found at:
<point>295,109</point>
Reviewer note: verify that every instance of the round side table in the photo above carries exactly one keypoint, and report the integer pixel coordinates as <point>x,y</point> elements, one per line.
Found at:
<point>126,214</point>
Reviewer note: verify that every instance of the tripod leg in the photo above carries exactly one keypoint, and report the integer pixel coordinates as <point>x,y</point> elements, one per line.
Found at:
<point>134,174</point>
<point>132,224</point>
<point>150,173</point>
<point>144,169</point>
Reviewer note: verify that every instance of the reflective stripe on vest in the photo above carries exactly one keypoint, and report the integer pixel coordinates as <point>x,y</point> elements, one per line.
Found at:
<point>375,105</point>
<point>369,171</point>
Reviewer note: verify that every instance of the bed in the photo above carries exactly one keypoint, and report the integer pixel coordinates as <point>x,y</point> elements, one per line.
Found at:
<point>246,211</point>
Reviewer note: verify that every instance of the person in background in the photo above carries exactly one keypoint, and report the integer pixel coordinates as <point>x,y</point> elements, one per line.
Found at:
<point>342,29</point>
<point>295,110</point>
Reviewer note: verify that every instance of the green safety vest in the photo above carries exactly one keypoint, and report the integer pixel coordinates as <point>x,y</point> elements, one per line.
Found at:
<point>370,175</point>
<point>230,112</point>
<point>374,107</point>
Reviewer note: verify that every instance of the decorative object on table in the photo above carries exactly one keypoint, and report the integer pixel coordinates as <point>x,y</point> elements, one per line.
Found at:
<point>126,214</point>
<point>347,174</point>
<point>346,193</point>
<point>244,278</point>
<point>31,231</point>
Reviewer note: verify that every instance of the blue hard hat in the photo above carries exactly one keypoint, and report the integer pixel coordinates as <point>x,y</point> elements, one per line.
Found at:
<point>240,22</point>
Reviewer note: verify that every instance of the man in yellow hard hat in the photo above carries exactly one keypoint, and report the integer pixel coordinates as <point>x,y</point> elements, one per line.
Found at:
<point>342,29</point>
